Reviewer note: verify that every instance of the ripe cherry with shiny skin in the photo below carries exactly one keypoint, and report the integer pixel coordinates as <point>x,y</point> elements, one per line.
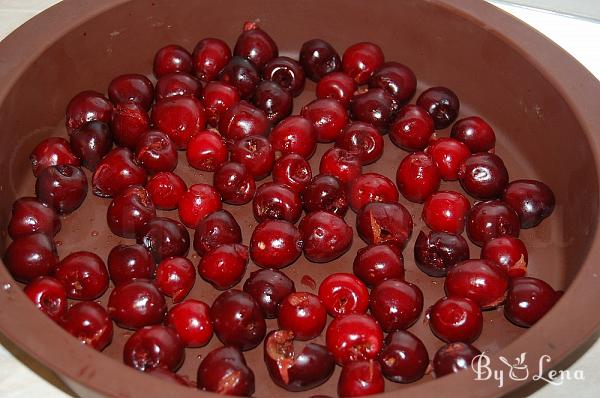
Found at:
<point>131,87</point>
<point>274,201</point>
<point>115,172</point>
<point>269,287</point>
<point>199,201</point>
<point>30,256</point>
<point>532,200</point>
<point>216,229</point>
<point>241,74</point>
<point>52,152</point>
<point>337,85</point>
<point>126,263</point>
<point>207,151</point>
<point>354,337</point>
<point>328,117</point>
<point>453,357</point>
<point>325,193</point>
<point>219,365</point>
<point>273,100</point>
<point>325,236</point>
<point>87,106</point>
<point>509,253</point>
<point>404,358</point>
<point>217,98</point>
<point>129,211</point>
<point>376,263</point>
<point>164,237</point>
<point>30,216</point>
<point>342,164</point>
<point>175,277</point>
<point>83,274</point>
<point>475,132</point>
<point>234,183</point>
<point>91,142</point>
<point>178,84</point>
<point>302,313</point>
<point>363,140</point>
<point>375,106</point>
<point>482,281</point>
<point>49,295</point>
<point>343,293</point>
<point>172,59</point>
<point>417,177</point>
<point>390,223</point>
<point>483,176</point>
<point>89,322</point>
<point>492,219</point>
<point>528,300</point>
<point>446,211</point>
<point>456,319</point>
<point>437,252</point>
<point>287,73</point>
<point>165,189</point>
<point>180,118</point>
<point>396,304</point>
<point>294,134</point>
<point>154,346</point>
<point>136,304</point>
<point>242,120</point>
<point>192,322</point>
<point>62,188</point>
<point>292,171</point>
<point>255,45</point>
<point>318,58</point>
<point>448,154</point>
<point>361,378</point>
<point>361,60</point>
<point>275,244</point>
<point>129,122</point>
<point>442,104</point>
<point>155,152</point>
<point>371,187</point>
<point>255,153</point>
<point>412,128</point>
<point>209,57</point>
<point>397,79</point>
<point>224,266</point>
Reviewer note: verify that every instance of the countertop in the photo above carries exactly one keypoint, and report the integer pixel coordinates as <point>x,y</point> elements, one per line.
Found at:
<point>21,376</point>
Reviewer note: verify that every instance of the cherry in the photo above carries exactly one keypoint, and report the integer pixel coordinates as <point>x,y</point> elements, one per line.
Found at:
<point>115,172</point>
<point>361,378</point>
<point>165,189</point>
<point>224,371</point>
<point>172,59</point>
<point>237,319</point>
<point>155,152</point>
<point>48,295</point>
<point>224,266</point>
<point>30,216</point>
<point>234,183</point>
<point>292,171</point>
<point>89,322</point>
<point>136,304</point>
<point>274,201</point>
<point>343,294</point>
<point>275,244</point>
<point>217,98</point>
<point>361,60</point>
<point>207,151</point>
<point>390,223</point>
<point>375,106</point>
<point>446,211</point>
<point>131,87</point>
<point>338,86</point>
<point>404,358</point>
<point>242,120</point>
<point>216,229</point>
<point>164,237</point>
<point>180,118</point>
<point>442,104</point>
<point>268,288</point>
<point>62,188</point>
<point>178,84</point>
<point>241,74</point>
<point>396,304</point>
<point>167,375</point>
<point>129,211</point>
<point>199,201</point>
<point>30,256</point>
<point>412,128</point>
<point>417,177</point>
<point>397,79</point>
<point>363,140</point>
<point>153,347</point>
<point>126,263</point>
<point>318,58</point>
<point>209,57</point>
<point>371,187</point>
<point>175,277</point>
<point>326,193</point>
<point>482,281</point>
<point>287,73</point>
<point>191,320</point>
<point>528,300</point>
<point>255,45</point>
<point>437,252</point>
<point>475,133</point>
<point>483,176</point>
<point>273,100</point>
<point>83,274</point>
<point>492,219</point>
<point>376,263</point>
<point>129,122</point>
<point>52,151</point>
<point>91,142</point>
<point>455,319</point>
<point>532,200</point>
<point>302,313</point>
<point>448,154</point>
<point>294,134</point>
<point>296,370</point>
<point>342,164</point>
<point>325,236</point>
<point>354,337</point>
<point>509,253</point>
<point>453,357</point>
<point>255,153</point>
<point>328,117</point>
<point>87,106</point>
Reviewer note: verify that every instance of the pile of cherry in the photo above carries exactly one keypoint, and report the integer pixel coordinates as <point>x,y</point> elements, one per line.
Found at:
<point>246,98</point>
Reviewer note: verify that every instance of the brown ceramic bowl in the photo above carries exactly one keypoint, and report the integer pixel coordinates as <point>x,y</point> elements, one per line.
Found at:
<point>542,103</point>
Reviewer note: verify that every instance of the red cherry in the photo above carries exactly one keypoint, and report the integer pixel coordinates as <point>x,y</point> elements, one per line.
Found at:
<point>269,287</point>
<point>532,200</point>
<point>156,152</point>
<point>83,274</point>
<point>456,319</point>
<point>361,378</point>
<point>326,193</point>
<point>448,154</point>
<point>30,216</point>
<point>165,189</point>
<point>234,183</point>
<point>376,263</point>
<point>328,117</point>
<point>446,211</point>
<point>256,154</point>
<point>216,229</point>
<point>255,45</point>
<point>482,281</point>
<point>136,304</point>
<point>91,142</point>
<point>207,151</point>
<point>287,73</point>
<point>453,357</point>
<point>180,118</point>
<point>175,277</point>
<point>276,202</point>
<point>152,347</point>
<point>217,98</point>
<point>354,337</point>
<point>48,295</point>
<point>273,100</point>
<point>129,211</point>
<point>361,60</point>
<point>528,300</point>
<point>294,134</point>
<point>325,236</point>
<point>87,106</point>
<point>292,171</point>
<point>164,237</point>
<point>371,187</point>
<point>475,133</point>
<point>363,140</point>
<point>199,201</point>
<point>442,104</point>
<point>224,266</point>
<point>343,294</point>
<point>483,176</point>
<point>389,223</point>
<point>115,172</point>
<point>129,122</point>
<point>492,219</point>
<point>218,366</point>
<point>342,164</point>
<point>242,120</point>
<point>319,58</point>
<point>209,57</point>
<point>30,256</point>
<point>62,187</point>
<point>275,244</point>
<point>437,252</point>
<point>404,358</point>
<point>509,253</point>
<point>172,59</point>
<point>396,304</point>
<point>89,322</point>
<point>375,106</point>
<point>412,128</point>
<point>131,87</point>
<point>338,86</point>
<point>304,314</point>
<point>241,74</point>
<point>397,79</point>
<point>51,152</point>
<point>417,177</point>
<point>126,263</point>
<point>191,320</point>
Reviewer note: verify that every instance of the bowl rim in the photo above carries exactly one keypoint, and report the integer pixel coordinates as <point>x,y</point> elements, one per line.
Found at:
<point>57,350</point>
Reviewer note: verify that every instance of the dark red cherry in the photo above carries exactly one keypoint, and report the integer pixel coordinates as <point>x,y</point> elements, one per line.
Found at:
<point>62,188</point>
<point>371,187</point>
<point>30,256</point>
<point>30,216</point>
<point>164,237</point>
<point>136,304</point>
<point>328,117</point>
<point>412,128</point>
<point>342,164</point>
<point>216,229</point>
<point>156,152</point>
<point>354,337</point>
<point>325,236</point>
<point>243,120</point>
<point>91,142</point>
<point>397,79</point>
<point>178,84</point>
<point>361,60</point>
<point>417,177</point>
<point>241,74</point>
<point>389,223</point>
<point>338,86</point>
<point>296,370</point>
<point>153,347</point>
<point>509,253</point>
<point>482,281</point>
<point>129,122</point>
<point>126,263</point>
<point>528,300</point>
<point>255,153</point>
<point>363,140</point>
<point>456,319</point>
<point>437,252</point>
<point>361,378</point>
<point>48,295</point>
<point>404,358</point>
<point>131,87</point>
<point>207,151</point>
<point>209,57</point>
<point>326,193</point>
<point>376,263</point>
<point>224,266</point>
<point>292,171</point>
<point>448,154</point>
<point>396,304</point>
<point>287,73</point>
<point>475,133</point>
<point>52,151</point>
<point>83,274</point>
<point>175,277</point>
<point>442,104</point>
<point>318,58</point>
<point>89,322</point>
<point>180,118</point>
<point>275,244</point>
<point>273,100</point>
<point>343,293</point>
<point>217,98</point>
<point>453,357</point>
<point>532,200</point>
<point>303,314</point>
<point>172,59</point>
<point>165,189</point>
<point>269,287</point>
<point>255,45</point>
<point>375,106</point>
<point>294,134</point>
<point>446,211</point>
<point>199,201</point>
<point>224,371</point>
<point>483,176</point>
<point>492,219</point>
<point>238,321</point>
<point>87,106</point>
<point>129,211</point>
<point>192,322</point>
<point>115,172</point>
<point>276,201</point>
<point>234,183</point>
